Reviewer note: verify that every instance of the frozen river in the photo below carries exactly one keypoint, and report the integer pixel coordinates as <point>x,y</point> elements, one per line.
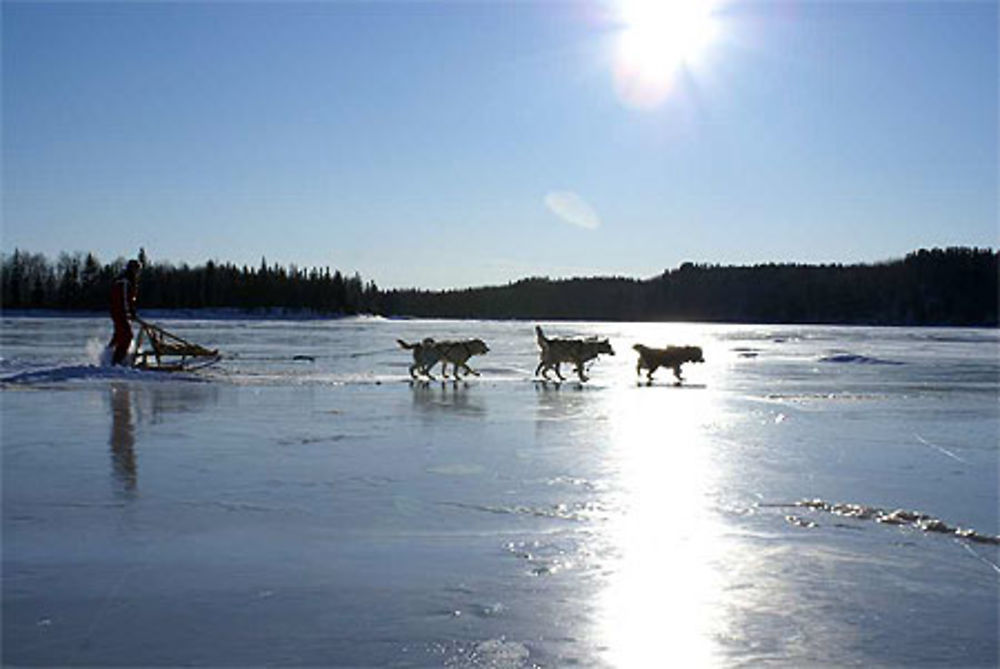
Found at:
<point>325,511</point>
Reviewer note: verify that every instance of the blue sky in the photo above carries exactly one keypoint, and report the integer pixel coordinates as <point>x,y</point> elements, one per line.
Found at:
<point>447,144</point>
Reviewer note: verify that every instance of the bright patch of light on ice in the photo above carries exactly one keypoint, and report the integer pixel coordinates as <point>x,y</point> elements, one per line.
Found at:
<point>663,586</point>
<point>573,209</point>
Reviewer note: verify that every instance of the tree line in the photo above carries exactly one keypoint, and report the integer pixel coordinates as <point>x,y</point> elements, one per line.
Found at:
<point>78,281</point>
<point>954,286</point>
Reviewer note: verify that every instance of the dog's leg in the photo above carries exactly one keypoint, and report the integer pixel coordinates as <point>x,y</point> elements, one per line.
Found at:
<point>559,373</point>
<point>677,373</point>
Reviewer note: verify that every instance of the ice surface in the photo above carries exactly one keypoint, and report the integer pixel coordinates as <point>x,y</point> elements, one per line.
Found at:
<point>303,503</point>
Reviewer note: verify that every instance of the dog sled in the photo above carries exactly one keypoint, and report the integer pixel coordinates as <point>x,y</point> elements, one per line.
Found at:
<point>162,351</point>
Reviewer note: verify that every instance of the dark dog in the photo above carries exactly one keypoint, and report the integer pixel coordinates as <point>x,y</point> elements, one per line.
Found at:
<point>458,354</point>
<point>672,356</point>
<point>428,353</point>
<point>577,351</point>
<point>425,356</point>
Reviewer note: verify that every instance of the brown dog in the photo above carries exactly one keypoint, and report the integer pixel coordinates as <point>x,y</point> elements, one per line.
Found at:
<point>672,356</point>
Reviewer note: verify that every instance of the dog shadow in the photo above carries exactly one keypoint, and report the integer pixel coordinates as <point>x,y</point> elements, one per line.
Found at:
<point>650,383</point>
<point>437,382</point>
<point>555,385</point>
<point>430,397</point>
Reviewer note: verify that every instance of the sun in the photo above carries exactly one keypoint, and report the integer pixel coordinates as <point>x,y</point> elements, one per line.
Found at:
<point>658,39</point>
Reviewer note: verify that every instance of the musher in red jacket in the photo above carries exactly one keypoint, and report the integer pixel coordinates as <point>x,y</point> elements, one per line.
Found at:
<point>124,292</point>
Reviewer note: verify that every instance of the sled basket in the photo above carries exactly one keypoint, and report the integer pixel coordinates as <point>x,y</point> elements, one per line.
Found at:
<point>165,351</point>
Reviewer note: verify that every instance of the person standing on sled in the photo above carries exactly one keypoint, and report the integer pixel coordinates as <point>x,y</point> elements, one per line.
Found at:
<point>124,292</point>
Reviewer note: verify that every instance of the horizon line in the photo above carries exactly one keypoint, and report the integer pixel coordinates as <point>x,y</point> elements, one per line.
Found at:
<point>253,267</point>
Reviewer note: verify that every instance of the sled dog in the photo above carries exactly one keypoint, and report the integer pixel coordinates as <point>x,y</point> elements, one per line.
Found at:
<point>425,356</point>
<point>672,357</point>
<point>577,351</point>
<point>428,353</point>
<point>458,354</point>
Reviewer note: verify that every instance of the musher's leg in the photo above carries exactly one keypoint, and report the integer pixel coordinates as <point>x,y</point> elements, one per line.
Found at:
<point>121,340</point>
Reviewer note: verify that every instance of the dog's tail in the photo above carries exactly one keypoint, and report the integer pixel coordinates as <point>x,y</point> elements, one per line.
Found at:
<point>405,345</point>
<point>540,336</point>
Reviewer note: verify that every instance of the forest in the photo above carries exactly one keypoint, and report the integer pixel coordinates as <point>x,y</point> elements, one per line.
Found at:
<point>78,282</point>
<point>953,286</point>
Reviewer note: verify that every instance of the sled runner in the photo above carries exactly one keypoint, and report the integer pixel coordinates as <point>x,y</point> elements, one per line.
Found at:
<point>166,352</point>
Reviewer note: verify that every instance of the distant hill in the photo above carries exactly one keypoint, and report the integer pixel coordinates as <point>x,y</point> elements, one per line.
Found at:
<point>954,286</point>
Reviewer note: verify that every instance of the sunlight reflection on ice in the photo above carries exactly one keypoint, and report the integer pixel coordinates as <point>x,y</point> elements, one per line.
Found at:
<point>662,584</point>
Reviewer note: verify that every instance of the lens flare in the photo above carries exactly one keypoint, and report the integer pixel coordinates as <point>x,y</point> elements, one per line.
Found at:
<point>573,209</point>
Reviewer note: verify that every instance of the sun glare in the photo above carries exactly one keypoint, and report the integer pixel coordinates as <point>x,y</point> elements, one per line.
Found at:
<point>664,584</point>
<point>658,39</point>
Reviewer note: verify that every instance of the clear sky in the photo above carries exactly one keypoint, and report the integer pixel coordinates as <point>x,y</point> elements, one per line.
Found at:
<point>449,144</point>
